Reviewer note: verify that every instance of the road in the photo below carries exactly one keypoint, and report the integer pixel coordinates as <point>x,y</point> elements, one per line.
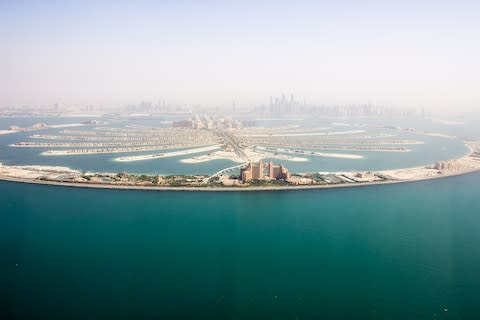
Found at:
<point>232,141</point>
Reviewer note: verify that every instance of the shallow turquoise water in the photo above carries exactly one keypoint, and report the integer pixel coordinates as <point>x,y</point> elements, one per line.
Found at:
<point>434,149</point>
<point>95,162</point>
<point>383,252</point>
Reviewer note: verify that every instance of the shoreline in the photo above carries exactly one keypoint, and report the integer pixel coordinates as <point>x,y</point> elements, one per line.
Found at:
<point>168,154</point>
<point>470,163</point>
<point>225,189</point>
<point>229,189</point>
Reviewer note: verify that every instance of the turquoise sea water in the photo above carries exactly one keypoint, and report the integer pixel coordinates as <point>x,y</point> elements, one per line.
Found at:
<point>434,149</point>
<point>407,251</point>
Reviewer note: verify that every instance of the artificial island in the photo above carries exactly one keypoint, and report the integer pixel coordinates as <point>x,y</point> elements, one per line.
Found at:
<point>259,155</point>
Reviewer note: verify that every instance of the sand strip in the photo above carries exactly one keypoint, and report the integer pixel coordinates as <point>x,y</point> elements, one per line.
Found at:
<point>167,154</point>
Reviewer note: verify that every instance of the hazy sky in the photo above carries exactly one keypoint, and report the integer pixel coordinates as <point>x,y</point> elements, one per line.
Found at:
<point>405,53</point>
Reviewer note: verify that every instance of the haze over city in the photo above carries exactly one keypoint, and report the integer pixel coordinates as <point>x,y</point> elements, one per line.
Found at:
<point>421,54</point>
<point>239,159</point>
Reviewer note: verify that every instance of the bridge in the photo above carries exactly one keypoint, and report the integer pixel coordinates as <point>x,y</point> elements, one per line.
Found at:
<point>218,173</point>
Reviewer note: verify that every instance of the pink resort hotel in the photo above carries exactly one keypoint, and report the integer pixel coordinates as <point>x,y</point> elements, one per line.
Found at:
<point>262,171</point>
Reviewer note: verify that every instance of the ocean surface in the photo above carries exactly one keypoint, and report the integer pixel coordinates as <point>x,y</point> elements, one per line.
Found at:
<point>408,251</point>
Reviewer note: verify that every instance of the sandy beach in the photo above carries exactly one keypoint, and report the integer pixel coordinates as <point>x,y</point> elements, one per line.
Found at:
<point>253,156</point>
<point>228,189</point>
<point>167,154</point>
<point>313,153</point>
<point>305,134</point>
<point>218,155</point>
<point>56,175</point>
<point>6,132</point>
<point>67,125</point>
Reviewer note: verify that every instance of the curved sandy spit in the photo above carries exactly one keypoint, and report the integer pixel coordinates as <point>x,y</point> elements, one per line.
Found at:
<point>313,153</point>
<point>305,134</point>
<point>470,162</point>
<point>229,189</point>
<point>168,154</point>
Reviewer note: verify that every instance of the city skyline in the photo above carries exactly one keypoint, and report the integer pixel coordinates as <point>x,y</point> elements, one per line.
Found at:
<point>407,55</point>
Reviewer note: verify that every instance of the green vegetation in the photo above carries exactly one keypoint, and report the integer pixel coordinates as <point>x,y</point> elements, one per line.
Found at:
<point>127,179</point>
<point>316,177</point>
<point>268,183</point>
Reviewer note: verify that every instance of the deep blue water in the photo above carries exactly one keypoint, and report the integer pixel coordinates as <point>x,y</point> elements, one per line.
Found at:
<point>407,251</point>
